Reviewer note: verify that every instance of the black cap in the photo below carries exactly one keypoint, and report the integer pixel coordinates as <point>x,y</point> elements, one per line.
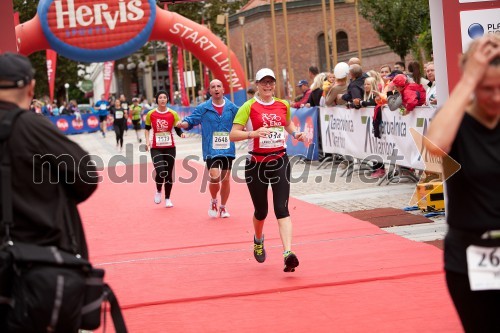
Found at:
<point>393,74</point>
<point>16,71</point>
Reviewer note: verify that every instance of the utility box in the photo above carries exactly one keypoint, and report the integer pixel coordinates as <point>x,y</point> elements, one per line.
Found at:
<point>431,197</point>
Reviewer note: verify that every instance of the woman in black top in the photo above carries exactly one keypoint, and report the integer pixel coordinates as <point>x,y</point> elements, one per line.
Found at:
<point>120,122</point>
<point>468,129</point>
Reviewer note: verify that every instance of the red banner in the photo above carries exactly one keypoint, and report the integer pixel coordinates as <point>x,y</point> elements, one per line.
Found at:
<point>170,71</point>
<point>108,76</point>
<point>182,85</point>
<point>51,58</point>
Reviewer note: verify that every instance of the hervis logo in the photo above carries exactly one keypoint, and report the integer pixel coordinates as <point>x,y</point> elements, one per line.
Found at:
<point>92,121</point>
<point>96,30</point>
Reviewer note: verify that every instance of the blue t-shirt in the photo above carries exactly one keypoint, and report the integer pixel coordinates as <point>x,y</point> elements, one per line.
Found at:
<point>102,107</point>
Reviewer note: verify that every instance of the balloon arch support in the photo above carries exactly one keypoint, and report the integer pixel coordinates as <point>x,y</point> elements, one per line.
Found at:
<point>112,30</point>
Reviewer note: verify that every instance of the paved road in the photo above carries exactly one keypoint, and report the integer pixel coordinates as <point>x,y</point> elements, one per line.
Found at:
<point>324,187</point>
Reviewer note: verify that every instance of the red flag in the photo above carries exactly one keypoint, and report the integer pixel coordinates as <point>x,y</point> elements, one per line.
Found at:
<point>51,59</point>
<point>182,85</point>
<point>108,76</point>
<point>170,72</point>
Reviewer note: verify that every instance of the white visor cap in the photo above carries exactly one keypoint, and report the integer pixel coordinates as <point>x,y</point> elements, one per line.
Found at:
<point>262,73</point>
<point>341,70</point>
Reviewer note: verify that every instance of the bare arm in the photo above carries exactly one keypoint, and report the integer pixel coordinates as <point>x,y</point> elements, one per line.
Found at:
<point>444,126</point>
<point>146,134</point>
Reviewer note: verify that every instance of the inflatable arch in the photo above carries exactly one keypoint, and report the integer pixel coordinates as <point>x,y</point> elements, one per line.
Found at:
<point>113,29</point>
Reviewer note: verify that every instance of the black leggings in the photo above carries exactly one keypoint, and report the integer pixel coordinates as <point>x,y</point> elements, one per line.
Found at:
<point>164,161</point>
<point>119,127</point>
<point>478,310</point>
<point>258,175</point>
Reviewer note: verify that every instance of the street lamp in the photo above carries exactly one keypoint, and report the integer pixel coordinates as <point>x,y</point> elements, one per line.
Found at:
<point>241,20</point>
<point>66,86</point>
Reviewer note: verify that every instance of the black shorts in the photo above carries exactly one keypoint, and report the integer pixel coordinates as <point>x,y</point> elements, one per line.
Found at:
<point>220,162</point>
<point>102,118</point>
<point>136,124</point>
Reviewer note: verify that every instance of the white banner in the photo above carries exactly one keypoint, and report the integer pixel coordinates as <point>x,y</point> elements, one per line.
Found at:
<point>350,132</point>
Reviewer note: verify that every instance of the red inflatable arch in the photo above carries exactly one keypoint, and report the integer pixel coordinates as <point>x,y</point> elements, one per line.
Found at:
<point>169,27</point>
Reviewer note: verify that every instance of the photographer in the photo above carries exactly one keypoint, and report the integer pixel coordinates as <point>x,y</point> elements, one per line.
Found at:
<point>50,173</point>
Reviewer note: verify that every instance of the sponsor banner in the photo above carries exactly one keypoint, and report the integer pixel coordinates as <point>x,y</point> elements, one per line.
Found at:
<point>98,30</point>
<point>51,58</point>
<point>90,122</point>
<point>306,121</point>
<point>350,132</point>
<point>108,69</point>
<point>182,85</point>
<point>477,23</point>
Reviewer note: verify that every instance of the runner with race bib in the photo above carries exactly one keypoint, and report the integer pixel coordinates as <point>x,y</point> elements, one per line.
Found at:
<point>216,117</point>
<point>467,128</point>
<point>266,119</point>
<point>160,121</point>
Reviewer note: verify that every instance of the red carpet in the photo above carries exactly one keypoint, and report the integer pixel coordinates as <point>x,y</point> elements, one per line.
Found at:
<point>177,270</point>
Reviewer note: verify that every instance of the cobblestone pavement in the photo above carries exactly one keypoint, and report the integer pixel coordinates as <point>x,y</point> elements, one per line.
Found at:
<point>324,187</point>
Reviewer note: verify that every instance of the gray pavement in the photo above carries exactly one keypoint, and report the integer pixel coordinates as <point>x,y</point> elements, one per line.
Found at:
<point>324,187</point>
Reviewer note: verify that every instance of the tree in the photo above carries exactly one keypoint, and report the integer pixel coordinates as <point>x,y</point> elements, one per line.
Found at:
<point>397,22</point>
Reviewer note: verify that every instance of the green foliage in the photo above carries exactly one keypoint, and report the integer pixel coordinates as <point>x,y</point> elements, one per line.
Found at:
<point>398,22</point>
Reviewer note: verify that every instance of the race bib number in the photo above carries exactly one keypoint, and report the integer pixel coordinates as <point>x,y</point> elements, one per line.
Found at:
<point>275,139</point>
<point>125,106</point>
<point>163,139</point>
<point>220,140</point>
<point>119,115</point>
<point>103,106</point>
<point>483,264</point>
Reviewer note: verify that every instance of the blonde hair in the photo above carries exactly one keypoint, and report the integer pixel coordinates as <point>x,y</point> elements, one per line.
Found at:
<point>318,81</point>
<point>373,87</point>
<point>378,78</point>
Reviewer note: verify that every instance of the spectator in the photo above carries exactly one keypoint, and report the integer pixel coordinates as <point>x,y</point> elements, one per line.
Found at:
<point>431,99</point>
<point>42,207</point>
<point>312,71</point>
<point>372,98</point>
<point>250,93</point>
<point>400,66</point>
<point>355,89</point>
<point>334,95</point>
<point>304,87</point>
<point>412,94</point>
<point>316,90</point>
<point>177,98</point>
<point>384,71</point>
<point>415,75</point>
<point>378,79</point>
<point>200,98</point>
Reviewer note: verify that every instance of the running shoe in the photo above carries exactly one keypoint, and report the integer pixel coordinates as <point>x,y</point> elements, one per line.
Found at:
<point>258,250</point>
<point>212,212</point>
<point>157,197</point>
<point>168,203</point>
<point>223,213</point>
<point>291,261</point>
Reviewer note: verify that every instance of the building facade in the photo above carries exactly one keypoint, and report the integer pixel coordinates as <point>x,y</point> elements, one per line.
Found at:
<point>306,38</point>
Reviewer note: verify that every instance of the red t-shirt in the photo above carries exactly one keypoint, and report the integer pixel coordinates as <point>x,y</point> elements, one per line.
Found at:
<point>275,115</point>
<point>162,124</point>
